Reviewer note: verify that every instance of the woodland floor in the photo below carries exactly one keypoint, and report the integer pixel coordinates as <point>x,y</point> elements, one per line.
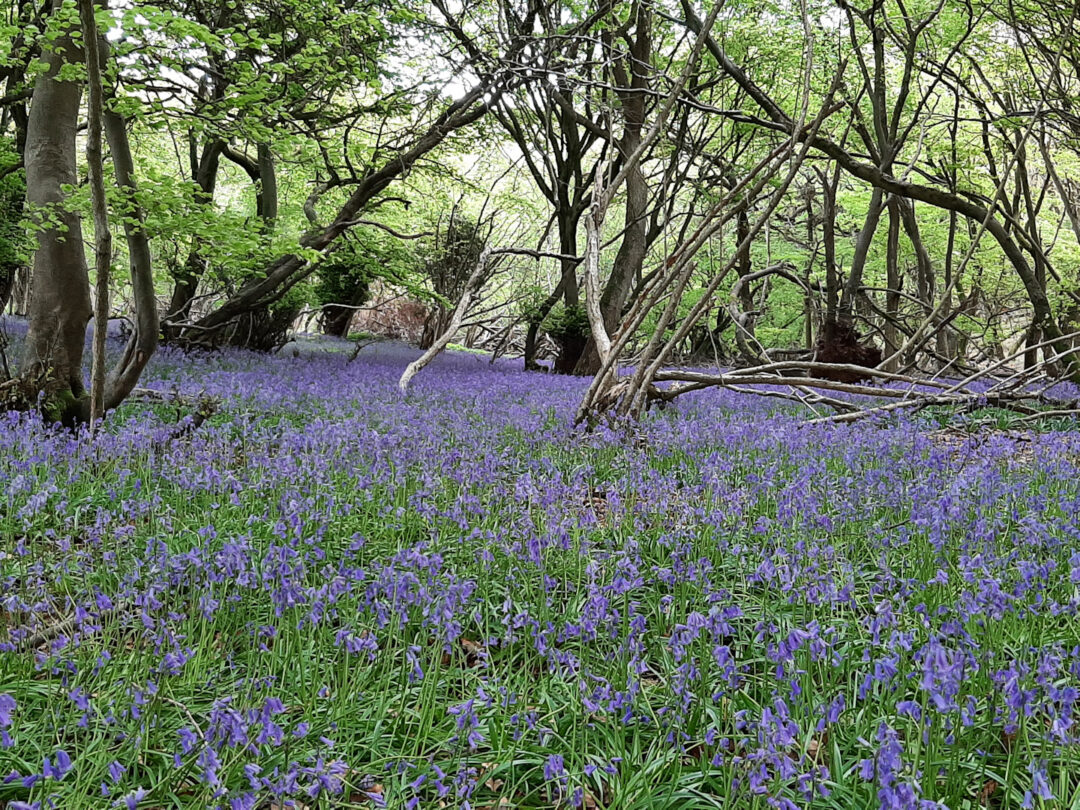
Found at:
<point>331,595</point>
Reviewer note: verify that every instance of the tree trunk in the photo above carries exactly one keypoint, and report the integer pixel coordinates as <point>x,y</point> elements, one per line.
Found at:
<point>745,267</point>
<point>890,329</point>
<point>633,80</point>
<point>142,344</point>
<point>9,275</point>
<point>568,225</point>
<point>336,320</point>
<point>828,239</point>
<point>204,168</point>
<point>808,297</point>
<point>533,332</point>
<point>60,289</point>
<point>102,234</point>
<point>268,188</point>
<point>264,327</point>
<point>60,294</point>
<point>628,261</point>
<point>947,342</point>
<point>570,349</point>
<point>862,251</point>
<point>435,324</point>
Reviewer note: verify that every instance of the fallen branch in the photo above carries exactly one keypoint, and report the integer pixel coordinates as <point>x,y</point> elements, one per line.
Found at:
<point>362,344</point>
<point>205,407</point>
<point>54,631</point>
<point>476,280</point>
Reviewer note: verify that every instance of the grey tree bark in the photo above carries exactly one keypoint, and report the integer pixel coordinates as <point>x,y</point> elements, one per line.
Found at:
<point>102,234</point>
<point>60,288</point>
<point>60,305</point>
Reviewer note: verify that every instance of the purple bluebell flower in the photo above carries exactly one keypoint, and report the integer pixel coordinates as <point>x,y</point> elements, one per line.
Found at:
<point>59,769</point>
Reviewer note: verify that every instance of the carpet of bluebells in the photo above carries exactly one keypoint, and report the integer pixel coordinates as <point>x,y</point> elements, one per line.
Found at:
<point>331,595</point>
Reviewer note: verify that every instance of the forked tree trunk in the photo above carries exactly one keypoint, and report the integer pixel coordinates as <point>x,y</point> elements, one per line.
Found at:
<point>60,294</point>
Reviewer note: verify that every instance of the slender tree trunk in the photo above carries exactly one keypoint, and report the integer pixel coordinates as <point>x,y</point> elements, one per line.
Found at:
<point>808,299</point>
<point>745,267</point>
<point>102,234</point>
<point>828,239</point>
<point>15,278</point>
<point>948,346</point>
<point>948,342</point>
<point>926,278</point>
<point>143,342</point>
<point>568,225</point>
<point>9,277</point>
<point>890,329</point>
<point>862,251</point>
<point>262,327</point>
<point>1038,255</point>
<point>268,188</point>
